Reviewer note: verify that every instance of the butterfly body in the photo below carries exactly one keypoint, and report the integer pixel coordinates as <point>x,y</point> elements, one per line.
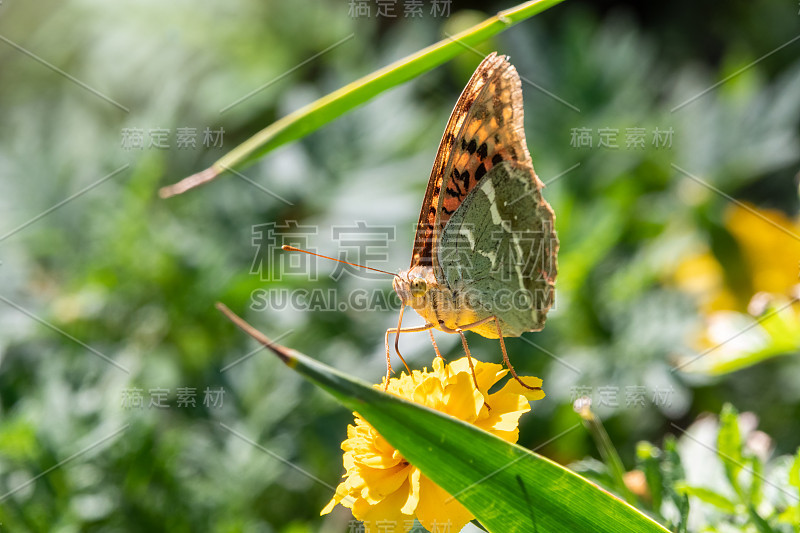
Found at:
<point>440,305</point>
<point>484,257</point>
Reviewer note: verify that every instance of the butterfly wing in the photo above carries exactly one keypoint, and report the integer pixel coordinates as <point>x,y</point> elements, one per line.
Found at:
<point>485,128</point>
<point>498,252</point>
<point>484,226</point>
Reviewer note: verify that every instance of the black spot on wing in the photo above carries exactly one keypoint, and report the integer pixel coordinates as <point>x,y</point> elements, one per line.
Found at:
<point>465,178</point>
<point>483,151</point>
<point>480,171</point>
<point>472,146</point>
<point>496,159</point>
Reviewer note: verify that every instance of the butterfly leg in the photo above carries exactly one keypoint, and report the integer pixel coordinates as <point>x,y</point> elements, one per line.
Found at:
<point>507,360</point>
<point>460,331</point>
<point>388,352</point>
<point>466,327</point>
<point>435,348</point>
<point>469,359</point>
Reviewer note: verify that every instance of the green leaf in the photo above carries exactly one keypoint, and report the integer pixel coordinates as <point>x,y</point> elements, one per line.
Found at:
<point>649,458</point>
<point>708,496</point>
<point>761,525</point>
<point>508,488</point>
<point>782,328</point>
<point>790,516</point>
<point>729,445</point>
<point>756,480</point>
<point>794,471</point>
<point>609,454</point>
<point>720,367</point>
<point>672,470</point>
<point>318,113</point>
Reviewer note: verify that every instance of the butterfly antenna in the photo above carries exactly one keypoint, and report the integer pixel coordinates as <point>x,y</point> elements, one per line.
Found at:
<point>293,249</point>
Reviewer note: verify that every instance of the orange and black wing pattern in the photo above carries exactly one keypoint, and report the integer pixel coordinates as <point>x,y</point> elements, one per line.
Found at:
<point>485,128</point>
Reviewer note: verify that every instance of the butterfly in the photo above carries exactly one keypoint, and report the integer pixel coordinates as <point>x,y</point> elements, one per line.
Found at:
<point>485,251</point>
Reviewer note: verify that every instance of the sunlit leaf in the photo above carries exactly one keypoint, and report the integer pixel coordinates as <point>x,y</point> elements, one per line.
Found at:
<point>729,445</point>
<point>709,496</point>
<point>318,113</point>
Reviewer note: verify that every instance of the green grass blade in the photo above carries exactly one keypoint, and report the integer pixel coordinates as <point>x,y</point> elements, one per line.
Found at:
<point>508,488</point>
<point>316,114</point>
<point>708,496</point>
<point>729,446</point>
<point>607,451</point>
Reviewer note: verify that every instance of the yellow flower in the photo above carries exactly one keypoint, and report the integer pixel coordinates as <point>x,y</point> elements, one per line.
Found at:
<point>770,251</point>
<point>770,247</point>
<point>702,276</point>
<point>384,490</point>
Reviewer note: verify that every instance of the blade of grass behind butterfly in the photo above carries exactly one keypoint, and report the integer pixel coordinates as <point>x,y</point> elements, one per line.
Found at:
<point>318,113</point>
<point>508,488</point>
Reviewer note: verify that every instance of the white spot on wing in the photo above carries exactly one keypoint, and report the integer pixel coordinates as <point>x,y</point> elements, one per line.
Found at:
<point>488,189</point>
<point>463,230</point>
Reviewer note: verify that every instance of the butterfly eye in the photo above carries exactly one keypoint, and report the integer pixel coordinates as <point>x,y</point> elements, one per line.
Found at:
<point>418,287</point>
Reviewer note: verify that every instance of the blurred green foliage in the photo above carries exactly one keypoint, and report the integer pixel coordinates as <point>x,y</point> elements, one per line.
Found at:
<point>720,475</point>
<point>135,278</point>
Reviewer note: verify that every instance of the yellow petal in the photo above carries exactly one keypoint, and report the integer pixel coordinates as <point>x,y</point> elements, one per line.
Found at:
<point>502,425</point>
<point>511,436</point>
<point>759,237</point>
<point>508,404</point>
<point>385,516</point>
<point>341,493</point>
<point>461,400</point>
<point>379,483</point>
<point>331,504</point>
<point>438,511</point>
<point>379,461</point>
<point>429,392</point>
<point>413,494</point>
<point>382,447</point>
<point>513,386</point>
<point>487,374</point>
<point>348,460</point>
